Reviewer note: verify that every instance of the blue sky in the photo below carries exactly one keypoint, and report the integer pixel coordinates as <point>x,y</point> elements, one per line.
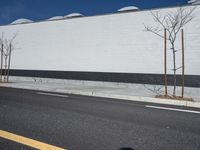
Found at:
<point>11,10</point>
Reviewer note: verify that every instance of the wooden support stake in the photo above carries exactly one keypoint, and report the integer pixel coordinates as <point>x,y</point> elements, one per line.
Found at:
<point>183,62</point>
<point>9,59</point>
<point>1,69</point>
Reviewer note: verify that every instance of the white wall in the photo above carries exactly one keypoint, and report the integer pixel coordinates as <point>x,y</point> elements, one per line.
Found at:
<point>107,43</point>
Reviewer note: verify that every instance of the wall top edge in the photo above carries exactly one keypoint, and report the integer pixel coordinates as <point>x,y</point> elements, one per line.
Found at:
<point>116,13</point>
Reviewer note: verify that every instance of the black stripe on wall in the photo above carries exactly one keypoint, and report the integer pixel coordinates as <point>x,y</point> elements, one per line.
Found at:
<point>190,80</point>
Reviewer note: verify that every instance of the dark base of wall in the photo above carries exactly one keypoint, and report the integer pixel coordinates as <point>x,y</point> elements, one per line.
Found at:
<point>190,80</point>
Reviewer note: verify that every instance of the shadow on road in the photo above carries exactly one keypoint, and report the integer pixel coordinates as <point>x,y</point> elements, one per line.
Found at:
<point>126,148</point>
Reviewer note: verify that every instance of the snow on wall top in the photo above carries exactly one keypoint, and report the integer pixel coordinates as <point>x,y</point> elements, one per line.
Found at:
<point>22,21</point>
<point>195,2</point>
<point>73,15</point>
<point>128,8</point>
<point>55,18</point>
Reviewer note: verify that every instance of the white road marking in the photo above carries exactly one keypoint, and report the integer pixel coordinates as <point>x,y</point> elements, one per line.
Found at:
<point>173,109</point>
<point>51,94</point>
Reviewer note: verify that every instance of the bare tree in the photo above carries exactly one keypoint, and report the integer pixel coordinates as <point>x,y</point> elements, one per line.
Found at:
<point>1,51</point>
<point>7,46</point>
<point>172,22</point>
<point>1,65</point>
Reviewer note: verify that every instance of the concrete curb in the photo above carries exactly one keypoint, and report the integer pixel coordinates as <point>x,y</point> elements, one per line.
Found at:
<point>105,95</point>
<point>135,98</point>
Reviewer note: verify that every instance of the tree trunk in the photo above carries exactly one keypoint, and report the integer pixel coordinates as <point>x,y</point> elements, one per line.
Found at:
<point>165,61</point>
<point>174,69</point>
<point>5,69</point>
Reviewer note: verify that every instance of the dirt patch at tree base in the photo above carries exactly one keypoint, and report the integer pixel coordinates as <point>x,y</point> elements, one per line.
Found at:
<point>174,97</point>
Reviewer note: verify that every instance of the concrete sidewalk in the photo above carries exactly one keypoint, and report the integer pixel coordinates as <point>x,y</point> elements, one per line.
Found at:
<point>134,92</point>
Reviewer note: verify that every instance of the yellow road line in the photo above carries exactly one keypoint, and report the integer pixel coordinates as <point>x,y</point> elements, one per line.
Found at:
<point>28,141</point>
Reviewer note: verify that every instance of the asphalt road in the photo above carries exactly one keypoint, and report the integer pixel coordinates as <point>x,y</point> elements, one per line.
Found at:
<point>87,123</point>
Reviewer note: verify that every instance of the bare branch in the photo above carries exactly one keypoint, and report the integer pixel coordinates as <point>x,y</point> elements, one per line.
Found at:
<point>153,30</point>
<point>176,69</point>
<point>155,89</point>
